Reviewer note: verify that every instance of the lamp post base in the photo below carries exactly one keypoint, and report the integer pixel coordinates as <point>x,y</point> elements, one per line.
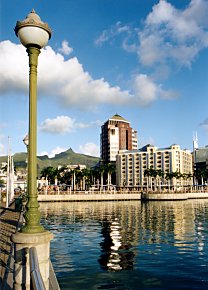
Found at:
<point>32,221</point>
<point>22,243</point>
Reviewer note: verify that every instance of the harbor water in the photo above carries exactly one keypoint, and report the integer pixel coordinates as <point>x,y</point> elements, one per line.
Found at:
<point>129,244</point>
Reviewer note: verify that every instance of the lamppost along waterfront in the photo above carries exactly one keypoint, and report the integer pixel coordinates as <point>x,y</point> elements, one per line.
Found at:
<point>34,35</point>
<point>26,142</point>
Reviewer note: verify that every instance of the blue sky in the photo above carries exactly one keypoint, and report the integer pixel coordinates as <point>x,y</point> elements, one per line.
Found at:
<point>143,59</point>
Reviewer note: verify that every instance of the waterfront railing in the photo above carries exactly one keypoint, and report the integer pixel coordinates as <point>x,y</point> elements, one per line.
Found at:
<point>36,280</point>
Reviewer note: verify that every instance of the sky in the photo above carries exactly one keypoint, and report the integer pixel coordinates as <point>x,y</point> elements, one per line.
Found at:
<point>145,60</point>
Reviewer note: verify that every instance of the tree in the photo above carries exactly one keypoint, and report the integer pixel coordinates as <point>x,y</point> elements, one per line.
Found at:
<point>160,175</point>
<point>94,172</point>
<point>50,173</point>
<point>102,170</point>
<point>86,173</point>
<point>169,177</point>
<point>147,174</point>
<point>110,169</point>
<point>153,174</point>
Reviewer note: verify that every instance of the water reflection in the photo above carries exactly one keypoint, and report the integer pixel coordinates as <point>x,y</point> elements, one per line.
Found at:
<point>159,242</point>
<point>116,252</point>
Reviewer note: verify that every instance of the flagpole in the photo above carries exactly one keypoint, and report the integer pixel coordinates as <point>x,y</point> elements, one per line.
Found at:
<point>8,172</point>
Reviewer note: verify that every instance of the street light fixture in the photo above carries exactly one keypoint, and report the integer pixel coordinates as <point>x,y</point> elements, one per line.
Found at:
<point>26,140</point>
<point>33,34</point>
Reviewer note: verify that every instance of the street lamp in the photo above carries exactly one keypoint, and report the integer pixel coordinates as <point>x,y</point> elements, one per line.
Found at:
<point>26,142</point>
<point>33,34</point>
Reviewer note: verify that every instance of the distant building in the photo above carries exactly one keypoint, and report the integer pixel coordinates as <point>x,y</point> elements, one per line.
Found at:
<point>116,134</point>
<point>73,166</point>
<point>201,164</point>
<point>131,165</point>
<point>201,157</point>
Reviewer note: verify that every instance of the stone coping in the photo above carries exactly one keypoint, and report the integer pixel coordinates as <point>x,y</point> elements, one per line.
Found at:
<point>89,197</point>
<point>122,196</point>
<point>174,196</point>
<point>30,238</point>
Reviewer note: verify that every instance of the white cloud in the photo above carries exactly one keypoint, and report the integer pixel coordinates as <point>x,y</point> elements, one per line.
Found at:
<point>13,69</point>
<point>65,80</point>
<point>70,85</point>
<point>53,152</point>
<point>168,36</point>
<point>109,34</point>
<point>90,149</point>
<point>146,91</point>
<point>59,125</point>
<point>205,124</point>
<point>65,49</point>
<point>174,35</point>
<point>64,124</point>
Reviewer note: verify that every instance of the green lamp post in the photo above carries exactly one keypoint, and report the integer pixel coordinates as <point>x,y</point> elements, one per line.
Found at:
<point>34,35</point>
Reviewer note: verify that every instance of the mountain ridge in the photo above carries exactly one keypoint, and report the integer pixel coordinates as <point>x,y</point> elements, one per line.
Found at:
<point>68,157</point>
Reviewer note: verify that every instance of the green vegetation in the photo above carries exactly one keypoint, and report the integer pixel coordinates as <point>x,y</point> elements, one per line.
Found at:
<point>68,157</point>
<point>80,179</point>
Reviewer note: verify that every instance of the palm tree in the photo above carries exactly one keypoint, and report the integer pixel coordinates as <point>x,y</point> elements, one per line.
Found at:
<point>201,175</point>
<point>177,175</point>
<point>102,170</point>
<point>153,174</point>
<point>147,174</point>
<point>186,176</point>
<point>169,177</point>
<point>49,173</point>
<point>61,175</point>
<point>94,172</point>
<point>160,175</point>
<point>110,169</point>
<point>204,176</point>
<point>79,177</point>
<point>86,178</point>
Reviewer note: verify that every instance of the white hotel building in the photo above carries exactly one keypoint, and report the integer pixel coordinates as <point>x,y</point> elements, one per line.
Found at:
<point>131,165</point>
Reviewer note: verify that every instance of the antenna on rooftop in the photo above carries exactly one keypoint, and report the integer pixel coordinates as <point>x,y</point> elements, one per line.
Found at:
<point>195,141</point>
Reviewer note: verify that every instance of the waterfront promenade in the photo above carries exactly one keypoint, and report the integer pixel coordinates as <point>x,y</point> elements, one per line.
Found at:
<point>9,222</point>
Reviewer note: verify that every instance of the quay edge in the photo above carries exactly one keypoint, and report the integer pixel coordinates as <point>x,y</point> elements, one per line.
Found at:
<point>121,196</point>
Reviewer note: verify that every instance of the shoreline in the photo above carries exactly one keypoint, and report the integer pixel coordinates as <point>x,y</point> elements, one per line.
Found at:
<point>121,196</point>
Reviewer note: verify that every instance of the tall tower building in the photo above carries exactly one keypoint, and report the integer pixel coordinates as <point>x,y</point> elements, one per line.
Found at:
<point>116,134</point>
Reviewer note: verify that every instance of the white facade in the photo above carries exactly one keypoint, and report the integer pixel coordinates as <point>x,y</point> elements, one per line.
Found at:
<point>134,140</point>
<point>114,142</point>
<point>131,166</point>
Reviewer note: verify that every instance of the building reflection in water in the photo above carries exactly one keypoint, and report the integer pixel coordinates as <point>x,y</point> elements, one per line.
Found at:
<point>123,230</point>
<point>116,255</point>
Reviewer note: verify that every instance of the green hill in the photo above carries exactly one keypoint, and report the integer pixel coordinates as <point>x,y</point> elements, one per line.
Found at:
<point>64,158</point>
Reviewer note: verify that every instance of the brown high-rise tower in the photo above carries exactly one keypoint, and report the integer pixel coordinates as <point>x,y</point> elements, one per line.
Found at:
<point>116,134</point>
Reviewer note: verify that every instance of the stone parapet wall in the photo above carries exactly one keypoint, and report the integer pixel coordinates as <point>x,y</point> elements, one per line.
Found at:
<point>90,197</point>
<point>174,196</point>
<point>121,196</point>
